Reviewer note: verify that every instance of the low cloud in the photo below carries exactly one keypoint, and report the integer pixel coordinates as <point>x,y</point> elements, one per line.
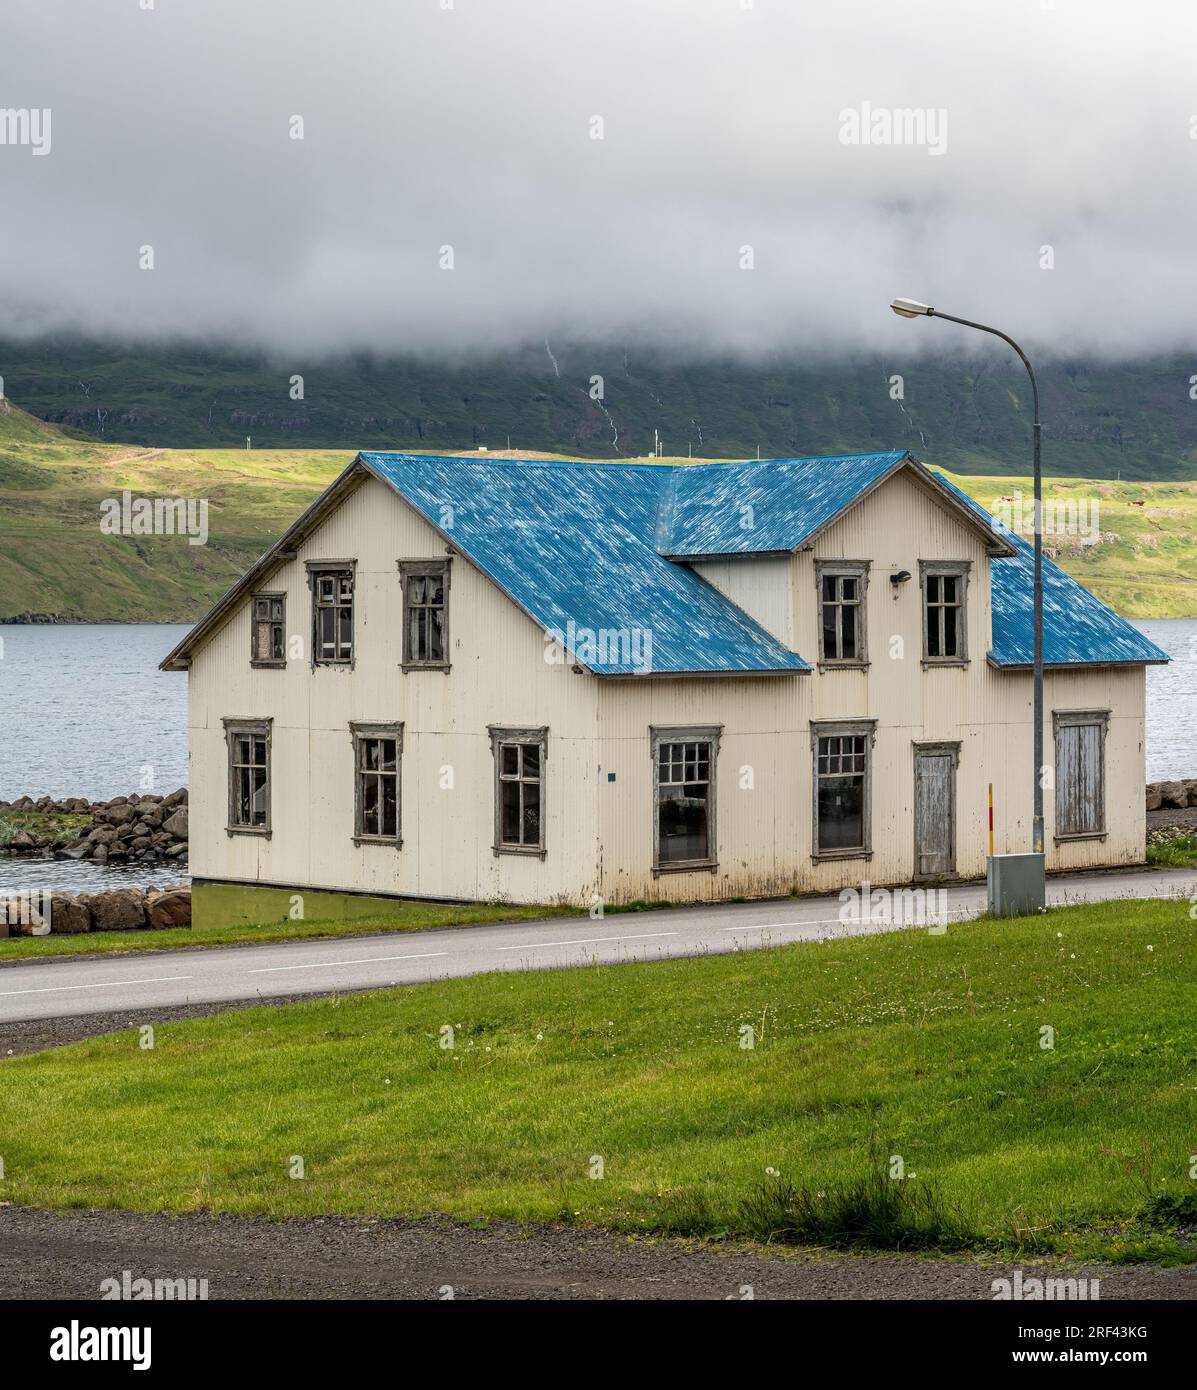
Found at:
<point>669,173</point>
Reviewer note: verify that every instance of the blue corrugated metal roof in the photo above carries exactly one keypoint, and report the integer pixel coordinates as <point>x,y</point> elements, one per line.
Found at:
<point>1078,629</point>
<point>572,543</point>
<point>755,507</point>
<point>583,544</point>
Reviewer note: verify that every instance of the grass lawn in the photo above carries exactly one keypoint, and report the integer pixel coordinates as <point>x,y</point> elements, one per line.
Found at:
<point>405,916</point>
<point>924,1047</point>
<point>1172,851</point>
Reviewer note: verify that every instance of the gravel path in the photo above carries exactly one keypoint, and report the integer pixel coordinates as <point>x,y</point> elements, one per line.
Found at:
<point>67,1255</point>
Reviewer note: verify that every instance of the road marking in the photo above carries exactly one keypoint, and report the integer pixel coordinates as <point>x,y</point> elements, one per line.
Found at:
<point>585,941</point>
<point>765,926</point>
<point>329,964</point>
<point>108,984</point>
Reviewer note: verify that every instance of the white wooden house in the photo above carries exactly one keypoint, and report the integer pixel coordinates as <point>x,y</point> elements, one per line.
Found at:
<point>530,681</point>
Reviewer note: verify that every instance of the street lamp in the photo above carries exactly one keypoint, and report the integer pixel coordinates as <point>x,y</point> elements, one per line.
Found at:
<point>912,309</point>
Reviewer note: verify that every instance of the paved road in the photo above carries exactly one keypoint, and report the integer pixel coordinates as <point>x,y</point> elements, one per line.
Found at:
<point>64,988</point>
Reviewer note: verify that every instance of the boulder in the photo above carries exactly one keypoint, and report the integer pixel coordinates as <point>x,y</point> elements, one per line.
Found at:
<point>176,851</point>
<point>123,814</point>
<point>99,855</point>
<point>139,843</point>
<point>68,915</point>
<point>171,908</point>
<point>1174,794</point>
<point>176,824</point>
<point>1155,797</point>
<point>102,835</point>
<point>22,840</point>
<point>1191,788</point>
<point>122,909</point>
<point>178,798</point>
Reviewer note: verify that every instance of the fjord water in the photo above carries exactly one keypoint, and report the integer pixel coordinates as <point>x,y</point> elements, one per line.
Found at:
<point>84,711</point>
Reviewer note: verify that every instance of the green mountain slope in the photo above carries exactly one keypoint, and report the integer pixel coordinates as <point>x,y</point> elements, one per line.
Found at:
<point>56,562</point>
<point>969,414</point>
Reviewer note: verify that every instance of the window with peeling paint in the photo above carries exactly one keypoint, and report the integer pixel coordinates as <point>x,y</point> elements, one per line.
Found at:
<point>268,637</point>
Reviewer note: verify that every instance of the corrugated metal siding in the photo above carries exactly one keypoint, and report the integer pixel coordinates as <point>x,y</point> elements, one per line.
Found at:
<point>600,831</point>
<point>764,772</point>
<point>760,586</point>
<point>499,676</point>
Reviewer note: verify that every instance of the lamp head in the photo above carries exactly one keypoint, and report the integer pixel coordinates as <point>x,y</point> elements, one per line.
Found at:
<point>910,308</point>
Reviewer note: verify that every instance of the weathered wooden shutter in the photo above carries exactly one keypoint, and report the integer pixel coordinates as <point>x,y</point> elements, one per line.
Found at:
<point>1080,776</point>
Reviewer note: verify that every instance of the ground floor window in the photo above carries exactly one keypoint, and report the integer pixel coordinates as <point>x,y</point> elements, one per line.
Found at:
<point>520,755</point>
<point>249,775</point>
<point>684,766</point>
<point>377,749</point>
<point>842,788</point>
<point>1080,773</point>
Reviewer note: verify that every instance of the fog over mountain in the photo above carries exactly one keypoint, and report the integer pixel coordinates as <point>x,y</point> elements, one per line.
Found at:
<point>1050,182</point>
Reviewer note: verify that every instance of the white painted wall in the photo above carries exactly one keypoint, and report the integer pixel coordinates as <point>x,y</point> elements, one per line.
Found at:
<point>498,676</point>
<point>599,831</point>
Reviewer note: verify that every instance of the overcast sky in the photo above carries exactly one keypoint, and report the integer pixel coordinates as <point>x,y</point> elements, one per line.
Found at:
<point>1061,124</point>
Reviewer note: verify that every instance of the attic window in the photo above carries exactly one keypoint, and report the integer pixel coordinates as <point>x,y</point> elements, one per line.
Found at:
<point>332,612</point>
<point>425,614</point>
<point>843,585</point>
<point>268,635</point>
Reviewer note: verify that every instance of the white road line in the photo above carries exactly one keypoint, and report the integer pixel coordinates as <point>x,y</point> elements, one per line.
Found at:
<point>766,926</point>
<point>108,984</point>
<point>585,941</point>
<point>329,964</point>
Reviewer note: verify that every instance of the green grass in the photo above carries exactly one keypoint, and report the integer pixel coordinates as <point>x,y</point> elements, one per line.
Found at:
<point>62,826</point>
<point>404,917</point>
<point>910,1045</point>
<point>1176,851</point>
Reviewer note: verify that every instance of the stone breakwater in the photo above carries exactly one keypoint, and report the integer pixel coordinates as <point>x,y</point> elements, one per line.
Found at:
<point>122,909</point>
<point>145,829</point>
<point>1172,796</point>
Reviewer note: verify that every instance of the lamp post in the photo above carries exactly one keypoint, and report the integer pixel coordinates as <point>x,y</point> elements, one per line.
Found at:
<point>910,309</point>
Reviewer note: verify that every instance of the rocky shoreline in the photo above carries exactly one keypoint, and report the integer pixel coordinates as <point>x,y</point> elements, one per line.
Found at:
<point>146,829</point>
<point>119,909</point>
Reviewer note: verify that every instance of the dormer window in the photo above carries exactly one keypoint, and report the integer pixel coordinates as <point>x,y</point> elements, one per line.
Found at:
<point>842,585</point>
